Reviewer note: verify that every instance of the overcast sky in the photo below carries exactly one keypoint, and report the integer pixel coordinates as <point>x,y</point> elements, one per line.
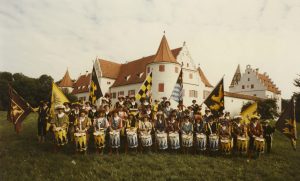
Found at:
<point>49,36</point>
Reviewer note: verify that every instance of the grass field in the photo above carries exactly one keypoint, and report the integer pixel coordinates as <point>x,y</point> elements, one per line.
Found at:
<point>22,158</point>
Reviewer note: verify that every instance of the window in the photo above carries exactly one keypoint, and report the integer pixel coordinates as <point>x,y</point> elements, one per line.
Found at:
<point>243,87</point>
<point>131,92</point>
<point>121,93</point>
<point>248,72</point>
<point>252,86</point>
<point>148,69</point>
<point>108,83</point>
<point>254,94</point>
<point>205,94</point>
<point>191,76</point>
<point>161,68</point>
<point>161,87</point>
<point>187,64</point>
<point>176,69</point>
<point>114,95</point>
<point>248,79</point>
<point>193,93</point>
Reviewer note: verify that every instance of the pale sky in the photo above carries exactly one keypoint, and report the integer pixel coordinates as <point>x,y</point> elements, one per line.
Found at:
<point>49,36</point>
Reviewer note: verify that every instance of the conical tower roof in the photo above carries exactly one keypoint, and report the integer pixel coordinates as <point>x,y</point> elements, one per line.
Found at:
<point>164,53</point>
<point>237,77</point>
<point>66,81</point>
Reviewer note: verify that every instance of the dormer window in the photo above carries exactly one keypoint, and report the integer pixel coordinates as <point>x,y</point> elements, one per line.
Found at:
<point>140,74</point>
<point>127,77</point>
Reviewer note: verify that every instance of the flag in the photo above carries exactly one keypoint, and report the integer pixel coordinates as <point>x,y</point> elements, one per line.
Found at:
<point>177,91</point>
<point>18,108</point>
<point>145,90</point>
<point>95,90</point>
<point>57,98</point>
<point>215,100</point>
<point>248,112</point>
<point>286,123</point>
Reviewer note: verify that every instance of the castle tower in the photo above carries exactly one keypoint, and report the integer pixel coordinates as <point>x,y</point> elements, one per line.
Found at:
<point>165,71</point>
<point>66,83</point>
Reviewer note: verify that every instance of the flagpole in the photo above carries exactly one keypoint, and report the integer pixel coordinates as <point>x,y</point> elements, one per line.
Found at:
<point>213,89</point>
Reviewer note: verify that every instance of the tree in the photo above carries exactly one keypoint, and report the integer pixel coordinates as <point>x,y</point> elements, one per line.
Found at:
<point>267,109</point>
<point>297,95</point>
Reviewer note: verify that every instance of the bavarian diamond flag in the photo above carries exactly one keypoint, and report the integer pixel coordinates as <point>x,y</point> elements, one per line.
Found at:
<point>145,88</point>
<point>177,91</point>
<point>286,123</point>
<point>215,101</point>
<point>18,108</point>
<point>95,90</point>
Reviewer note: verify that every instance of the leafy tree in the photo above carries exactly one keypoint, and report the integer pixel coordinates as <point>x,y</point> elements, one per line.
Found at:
<point>297,96</point>
<point>267,109</point>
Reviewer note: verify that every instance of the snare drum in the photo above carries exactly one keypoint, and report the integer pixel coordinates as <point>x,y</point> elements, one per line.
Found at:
<point>201,141</point>
<point>259,144</point>
<point>162,140</point>
<point>60,136</point>
<point>146,140</point>
<point>226,145</point>
<point>80,141</point>
<point>99,137</point>
<point>187,140</point>
<point>213,142</point>
<point>174,140</point>
<point>132,138</point>
<point>114,136</point>
<point>242,144</point>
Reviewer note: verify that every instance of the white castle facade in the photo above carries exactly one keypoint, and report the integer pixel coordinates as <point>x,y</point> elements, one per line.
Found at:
<point>126,79</point>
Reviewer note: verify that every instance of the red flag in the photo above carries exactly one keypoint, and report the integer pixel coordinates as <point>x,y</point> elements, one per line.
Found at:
<point>18,108</point>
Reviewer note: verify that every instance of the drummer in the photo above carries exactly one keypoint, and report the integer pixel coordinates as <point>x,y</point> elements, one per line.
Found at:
<point>160,123</point>
<point>74,114</point>
<point>131,124</point>
<point>238,130</point>
<point>268,134</point>
<point>115,125</point>
<point>255,130</point>
<point>60,120</point>
<point>167,109</point>
<point>200,125</point>
<point>101,122</point>
<point>82,124</point>
<point>145,126</point>
<point>186,129</point>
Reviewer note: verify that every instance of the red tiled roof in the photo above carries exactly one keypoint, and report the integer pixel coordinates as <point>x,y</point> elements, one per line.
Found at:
<point>203,78</point>
<point>268,83</point>
<point>66,81</point>
<point>135,68</point>
<point>82,84</point>
<point>241,96</point>
<point>109,69</point>
<point>164,53</point>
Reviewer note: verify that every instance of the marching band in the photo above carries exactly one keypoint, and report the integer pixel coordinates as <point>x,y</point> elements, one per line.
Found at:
<point>128,125</point>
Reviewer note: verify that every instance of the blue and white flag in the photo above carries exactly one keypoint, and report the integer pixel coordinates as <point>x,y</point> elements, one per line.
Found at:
<point>177,93</point>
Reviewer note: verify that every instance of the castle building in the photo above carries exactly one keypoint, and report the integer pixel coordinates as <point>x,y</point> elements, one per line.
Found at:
<point>126,79</point>
<point>165,65</point>
<point>256,84</point>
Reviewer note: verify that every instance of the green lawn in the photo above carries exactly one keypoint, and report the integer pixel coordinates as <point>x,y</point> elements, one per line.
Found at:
<point>22,158</point>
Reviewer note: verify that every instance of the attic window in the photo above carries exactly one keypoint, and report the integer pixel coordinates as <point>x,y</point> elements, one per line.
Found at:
<point>127,77</point>
<point>140,74</point>
<point>83,87</point>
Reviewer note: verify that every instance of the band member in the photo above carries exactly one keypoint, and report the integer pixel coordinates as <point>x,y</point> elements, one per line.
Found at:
<point>180,113</point>
<point>82,124</point>
<point>162,104</point>
<point>72,117</point>
<point>155,106</point>
<point>268,134</point>
<point>186,133</point>
<point>60,124</point>
<point>173,125</point>
<point>167,109</point>
<point>43,118</point>
<point>120,101</point>
<point>101,124</point>
<point>160,122</point>
<point>224,129</point>
<point>212,125</point>
<point>206,115</point>
<point>87,106</point>
<point>107,112</point>
<point>115,127</point>
<point>145,128</point>
<point>149,112</point>
<point>238,130</point>
<point>199,125</point>
<point>255,130</point>
<point>133,104</point>
<point>92,112</point>
<point>67,108</point>
<point>195,106</point>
